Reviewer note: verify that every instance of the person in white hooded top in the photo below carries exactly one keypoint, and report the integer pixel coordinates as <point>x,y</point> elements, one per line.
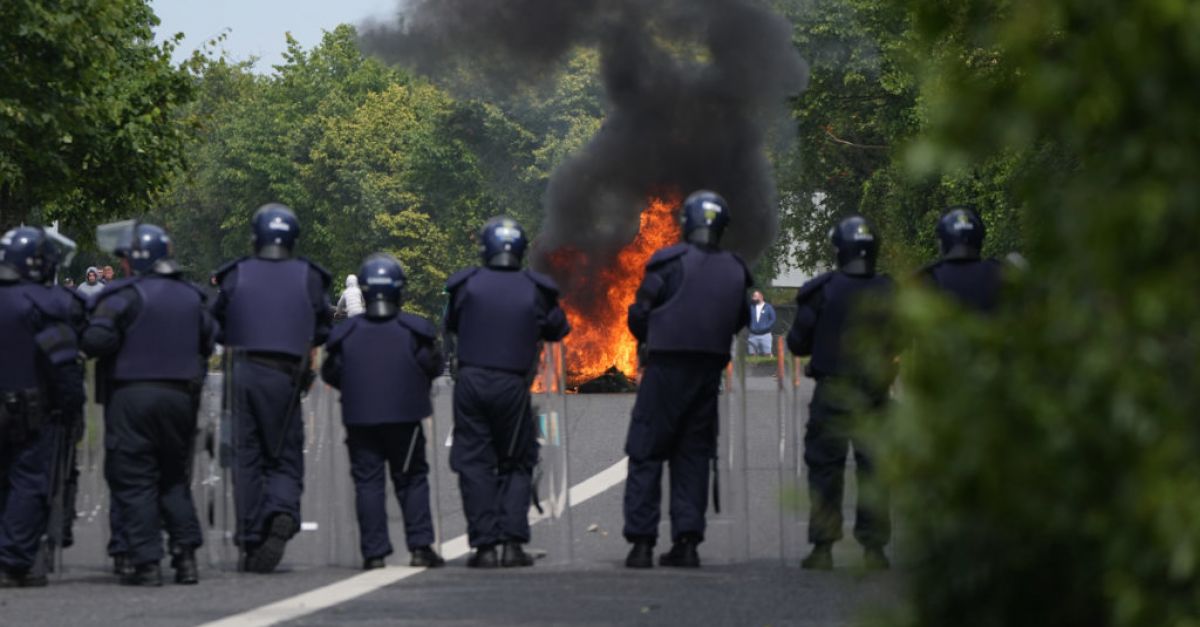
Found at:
<point>351,302</point>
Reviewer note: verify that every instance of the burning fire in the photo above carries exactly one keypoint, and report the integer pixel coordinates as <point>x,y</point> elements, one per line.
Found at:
<point>597,311</point>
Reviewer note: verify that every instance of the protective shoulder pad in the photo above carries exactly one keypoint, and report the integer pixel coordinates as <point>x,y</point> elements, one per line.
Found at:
<point>813,286</point>
<point>199,290</point>
<point>50,302</point>
<point>112,288</point>
<point>326,278</point>
<point>460,277</point>
<point>417,325</point>
<point>745,268</point>
<point>542,281</point>
<point>223,270</point>
<point>664,255</point>
<point>340,332</point>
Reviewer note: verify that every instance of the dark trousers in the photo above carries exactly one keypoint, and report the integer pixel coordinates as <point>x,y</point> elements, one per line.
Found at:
<point>827,439</point>
<point>495,450</point>
<point>674,421</point>
<point>401,448</point>
<point>148,446</point>
<point>269,446</point>
<point>24,498</point>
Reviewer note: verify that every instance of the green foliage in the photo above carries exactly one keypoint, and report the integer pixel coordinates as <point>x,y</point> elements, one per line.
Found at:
<point>1047,461</point>
<point>88,102</point>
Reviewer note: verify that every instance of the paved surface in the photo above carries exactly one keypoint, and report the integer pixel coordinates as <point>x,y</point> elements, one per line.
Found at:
<point>750,578</point>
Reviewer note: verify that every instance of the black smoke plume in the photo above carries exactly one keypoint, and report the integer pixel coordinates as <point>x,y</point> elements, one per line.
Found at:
<point>694,87</point>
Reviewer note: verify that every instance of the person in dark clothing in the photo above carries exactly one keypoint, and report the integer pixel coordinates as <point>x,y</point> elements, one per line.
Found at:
<point>40,380</point>
<point>153,335</point>
<point>833,312</point>
<point>273,309</point>
<point>500,314</point>
<point>384,362</point>
<point>691,303</point>
<point>961,273</point>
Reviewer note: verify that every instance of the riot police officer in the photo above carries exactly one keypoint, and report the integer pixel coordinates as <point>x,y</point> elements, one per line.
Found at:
<point>961,273</point>
<point>834,311</point>
<point>384,362</point>
<point>691,303</point>
<point>40,377</point>
<point>273,309</point>
<point>500,313</point>
<point>153,335</point>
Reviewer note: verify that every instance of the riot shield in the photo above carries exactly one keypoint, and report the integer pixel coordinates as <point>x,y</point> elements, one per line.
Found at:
<point>798,502</point>
<point>88,515</point>
<point>551,512</point>
<point>788,376</point>
<point>728,537</point>
<point>212,483</point>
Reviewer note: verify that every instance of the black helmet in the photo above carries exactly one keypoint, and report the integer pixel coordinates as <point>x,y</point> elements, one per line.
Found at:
<point>857,245</point>
<point>502,243</point>
<point>960,233</point>
<point>381,279</point>
<point>27,253</point>
<point>276,230</point>
<point>150,250</point>
<point>705,216</point>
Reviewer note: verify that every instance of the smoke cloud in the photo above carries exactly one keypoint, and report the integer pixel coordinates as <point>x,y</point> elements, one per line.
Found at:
<point>694,87</point>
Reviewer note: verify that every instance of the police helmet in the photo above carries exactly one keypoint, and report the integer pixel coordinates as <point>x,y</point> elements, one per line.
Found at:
<point>27,253</point>
<point>857,245</point>
<point>502,243</point>
<point>276,230</point>
<point>149,250</point>
<point>960,233</point>
<point>381,279</point>
<point>705,216</point>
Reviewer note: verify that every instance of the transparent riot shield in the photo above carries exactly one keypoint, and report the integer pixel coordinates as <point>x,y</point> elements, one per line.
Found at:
<point>551,511</point>
<point>88,515</point>
<point>444,496</point>
<point>212,474</point>
<point>798,505</point>
<point>728,536</point>
<point>790,484</point>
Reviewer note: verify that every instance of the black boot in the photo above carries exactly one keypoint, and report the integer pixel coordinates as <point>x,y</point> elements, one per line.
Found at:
<point>425,557</point>
<point>10,579</point>
<point>641,555</point>
<point>144,575</point>
<point>374,563</point>
<point>121,565</point>
<point>683,554</point>
<point>514,556</point>
<point>267,556</point>
<point>821,557</point>
<point>875,559</point>
<point>484,557</point>
<point>183,560</point>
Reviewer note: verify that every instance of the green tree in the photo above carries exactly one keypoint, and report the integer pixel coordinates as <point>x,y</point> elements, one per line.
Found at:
<point>1047,461</point>
<point>88,124</point>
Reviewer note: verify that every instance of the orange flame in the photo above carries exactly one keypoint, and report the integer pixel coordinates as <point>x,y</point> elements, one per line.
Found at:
<point>599,336</point>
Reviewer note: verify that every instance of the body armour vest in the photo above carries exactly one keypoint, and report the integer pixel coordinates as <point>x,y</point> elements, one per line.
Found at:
<point>499,320</point>
<point>703,314</point>
<point>18,352</point>
<point>381,380</point>
<point>270,310</point>
<point>975,284</point>
<point>163,341</point>
<point>845,300</point>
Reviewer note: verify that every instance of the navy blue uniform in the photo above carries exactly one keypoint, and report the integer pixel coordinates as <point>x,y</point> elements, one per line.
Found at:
<point>829,307</point>
<point>384,368</point>
<point>691,303</point>
<point>272,312</point>
<point>153,335</point>
<point>500,316</point>
<point>973,283</point>
<point>40,376</point>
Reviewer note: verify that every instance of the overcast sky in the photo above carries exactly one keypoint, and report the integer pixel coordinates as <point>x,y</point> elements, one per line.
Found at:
<point>257,27</point>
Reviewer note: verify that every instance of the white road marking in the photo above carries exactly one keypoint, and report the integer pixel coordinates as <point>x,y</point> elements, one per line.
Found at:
<point>364,583</point>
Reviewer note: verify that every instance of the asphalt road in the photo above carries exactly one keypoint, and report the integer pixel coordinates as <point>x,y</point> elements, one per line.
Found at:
<point>751,574</point>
